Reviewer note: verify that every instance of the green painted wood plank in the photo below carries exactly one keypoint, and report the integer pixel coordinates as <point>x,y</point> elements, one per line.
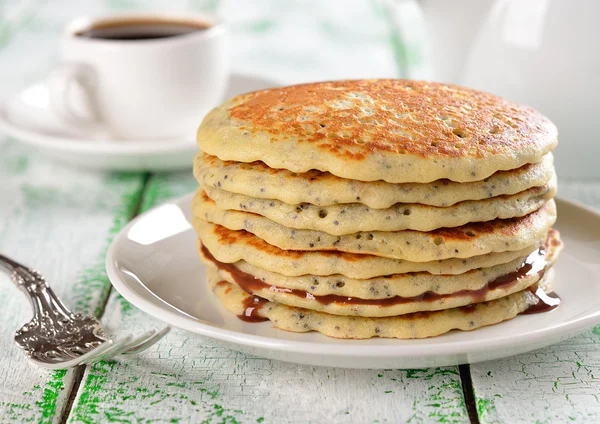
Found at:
<point>54,218</point>
<point>302,41</point>
<point>14,15</point>
<point>59,221</point>
<point>560,383</point>
<point>167,186</point>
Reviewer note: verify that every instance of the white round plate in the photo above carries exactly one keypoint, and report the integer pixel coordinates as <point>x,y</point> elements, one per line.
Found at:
<point>26,117</point>
<point>153,263</point>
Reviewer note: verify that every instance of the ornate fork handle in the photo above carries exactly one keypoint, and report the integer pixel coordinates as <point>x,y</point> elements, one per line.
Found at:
<point>44,301</point>
<point>54,332</point>
<point>56,338</point>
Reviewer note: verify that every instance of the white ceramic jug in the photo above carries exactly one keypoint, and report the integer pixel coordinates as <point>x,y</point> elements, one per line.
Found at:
<point>543,53</point>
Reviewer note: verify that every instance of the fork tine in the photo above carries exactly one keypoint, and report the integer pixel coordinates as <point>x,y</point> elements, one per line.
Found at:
<point>108,352</point>
<point>141,344</point>
<point>80,360</point>
<point>133,342</point>
<point>89,357</point>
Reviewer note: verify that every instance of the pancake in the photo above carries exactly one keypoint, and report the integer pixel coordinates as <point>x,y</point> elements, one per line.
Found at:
<point>388,286</point>
<point>231,246</point>
<point>415,246</point>
<point>411,326</point>
<point>351,218</point>
<point>452,291</point>
<point>383,287</point>
<point>460,242</point>
<point>322,188</point>
<point>392,130</point>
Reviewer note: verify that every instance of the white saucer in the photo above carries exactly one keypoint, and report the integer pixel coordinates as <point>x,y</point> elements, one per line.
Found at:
<point>153,263</point>
<point>26,117</point>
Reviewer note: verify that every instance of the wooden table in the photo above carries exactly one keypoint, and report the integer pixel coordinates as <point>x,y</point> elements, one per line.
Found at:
<point>61,220</point>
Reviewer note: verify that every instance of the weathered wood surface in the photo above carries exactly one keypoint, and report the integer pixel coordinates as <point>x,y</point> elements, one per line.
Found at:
<point>557,384</point>
<point>58,219</point>
<point>61,221</point>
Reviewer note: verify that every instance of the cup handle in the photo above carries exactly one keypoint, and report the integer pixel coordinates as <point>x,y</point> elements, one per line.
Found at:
<point>62,83</point>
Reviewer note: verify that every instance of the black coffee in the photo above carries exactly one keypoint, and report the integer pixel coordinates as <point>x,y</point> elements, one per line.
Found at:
<point>141,30</point>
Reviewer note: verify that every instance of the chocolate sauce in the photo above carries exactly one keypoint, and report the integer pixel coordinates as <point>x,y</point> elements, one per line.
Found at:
<point>546,302</point>
<point>252,306</point>
<point>535,263</point>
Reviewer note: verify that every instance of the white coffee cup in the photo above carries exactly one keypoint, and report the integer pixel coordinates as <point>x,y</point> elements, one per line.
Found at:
<point>118,80</point>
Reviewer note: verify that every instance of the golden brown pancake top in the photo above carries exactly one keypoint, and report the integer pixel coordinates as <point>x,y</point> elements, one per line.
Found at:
<point>353,119</point>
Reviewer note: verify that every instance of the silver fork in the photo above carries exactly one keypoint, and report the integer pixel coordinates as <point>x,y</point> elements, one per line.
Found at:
<point>56,338</point>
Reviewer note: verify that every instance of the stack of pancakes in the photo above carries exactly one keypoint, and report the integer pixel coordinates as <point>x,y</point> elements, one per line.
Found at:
<point>377,208</point>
